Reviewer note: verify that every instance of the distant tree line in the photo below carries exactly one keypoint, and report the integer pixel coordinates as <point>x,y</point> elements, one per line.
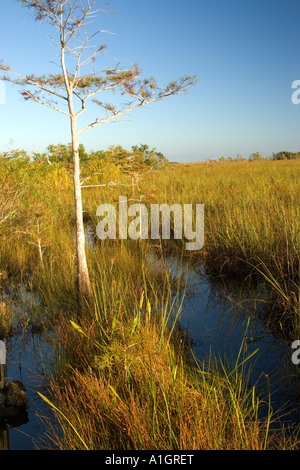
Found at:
<point>138,157</point>
<point>257,156</point>
<point>286,156</point>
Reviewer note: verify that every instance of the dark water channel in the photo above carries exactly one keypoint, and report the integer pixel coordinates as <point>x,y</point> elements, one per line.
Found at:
<point>25,362</point>
<point>29,359</point>
<point>217,318</point>
<point>227,321</point>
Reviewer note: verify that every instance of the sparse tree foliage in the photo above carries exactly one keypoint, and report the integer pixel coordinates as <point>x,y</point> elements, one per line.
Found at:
<point>285,155</point>
<point>69,91</point>
<point>255,157</point>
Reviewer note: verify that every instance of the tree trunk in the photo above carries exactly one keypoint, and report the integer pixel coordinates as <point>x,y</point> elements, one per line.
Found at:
<point>83,279</point>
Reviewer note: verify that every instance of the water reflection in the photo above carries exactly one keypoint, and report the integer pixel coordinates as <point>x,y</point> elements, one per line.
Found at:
<point>13,408</point>
<point>29,358</point>
<point>221,318</point>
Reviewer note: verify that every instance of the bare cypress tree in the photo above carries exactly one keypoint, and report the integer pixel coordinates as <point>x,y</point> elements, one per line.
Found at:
<point>70,20</point>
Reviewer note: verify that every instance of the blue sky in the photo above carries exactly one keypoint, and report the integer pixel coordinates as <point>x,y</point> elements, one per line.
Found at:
<point>245,54</point>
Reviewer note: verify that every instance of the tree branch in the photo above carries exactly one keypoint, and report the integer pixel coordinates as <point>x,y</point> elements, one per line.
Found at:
<point>28,95</point>
<point>30,80</point>
<point>118,114</point>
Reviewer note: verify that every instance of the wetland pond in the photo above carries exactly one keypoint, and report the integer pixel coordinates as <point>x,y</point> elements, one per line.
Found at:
<point>217,319</point>
<point>227,320</point>
<point>29,359</point>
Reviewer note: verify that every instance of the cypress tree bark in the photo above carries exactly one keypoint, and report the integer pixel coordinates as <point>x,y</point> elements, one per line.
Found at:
<point>83,279</point>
